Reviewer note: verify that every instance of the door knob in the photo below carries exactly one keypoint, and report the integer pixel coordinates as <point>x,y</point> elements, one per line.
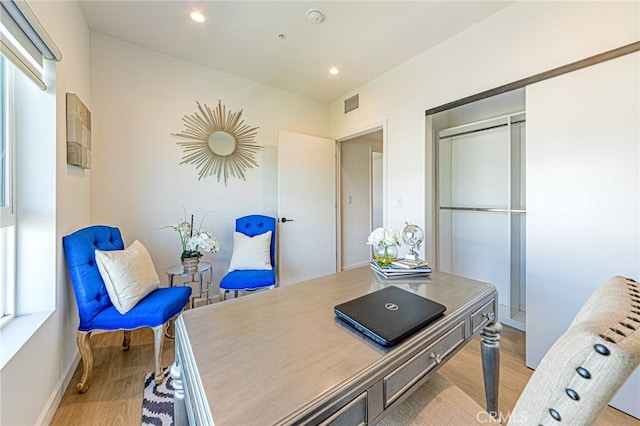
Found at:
<point>284,220</point>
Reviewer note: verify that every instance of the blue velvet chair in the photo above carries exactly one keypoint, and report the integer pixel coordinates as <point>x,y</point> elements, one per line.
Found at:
<point>95,308</point>
<point>249,279</point>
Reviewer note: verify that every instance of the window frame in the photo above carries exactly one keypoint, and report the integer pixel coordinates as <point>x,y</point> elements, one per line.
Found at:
<point>7,208</point>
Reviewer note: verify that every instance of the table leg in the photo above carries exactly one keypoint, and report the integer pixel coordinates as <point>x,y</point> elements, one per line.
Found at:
<point>179,407</point>
<point>168,331</point>
<point>209,292</point>
<point>491,364</point>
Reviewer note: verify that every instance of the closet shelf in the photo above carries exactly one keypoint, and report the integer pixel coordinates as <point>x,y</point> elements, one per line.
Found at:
<point>483,209</point>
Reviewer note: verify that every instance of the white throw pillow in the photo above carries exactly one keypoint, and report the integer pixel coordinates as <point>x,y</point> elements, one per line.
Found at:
<point>251,252</point>
<point>128,274</point>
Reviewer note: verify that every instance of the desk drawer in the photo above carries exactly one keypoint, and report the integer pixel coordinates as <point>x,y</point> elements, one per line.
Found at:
<point>354,413</point>
<point>413,370</point>
<point>483,316</point>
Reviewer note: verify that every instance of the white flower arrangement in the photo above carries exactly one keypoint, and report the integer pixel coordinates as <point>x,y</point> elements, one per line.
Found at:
<point>384,237</point>
<point>193,241</point>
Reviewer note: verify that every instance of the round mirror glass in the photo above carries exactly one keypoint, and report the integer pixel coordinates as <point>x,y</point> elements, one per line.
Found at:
<point>222,143</point>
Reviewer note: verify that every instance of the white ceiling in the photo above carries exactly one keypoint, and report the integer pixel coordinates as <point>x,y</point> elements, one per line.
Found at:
<point>364,39</point>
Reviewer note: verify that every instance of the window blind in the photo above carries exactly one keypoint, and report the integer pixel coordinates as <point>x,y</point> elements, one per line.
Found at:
<point>24,41</point>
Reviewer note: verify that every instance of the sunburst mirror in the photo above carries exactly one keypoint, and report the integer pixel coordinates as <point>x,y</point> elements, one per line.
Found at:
<point>218,142</point>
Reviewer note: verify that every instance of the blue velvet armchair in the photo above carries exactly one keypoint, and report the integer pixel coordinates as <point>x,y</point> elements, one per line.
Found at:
<point>95,308</point>
<point>252,279</point>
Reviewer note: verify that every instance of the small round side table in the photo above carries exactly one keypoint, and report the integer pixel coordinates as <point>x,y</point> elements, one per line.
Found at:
<point>203,290</point>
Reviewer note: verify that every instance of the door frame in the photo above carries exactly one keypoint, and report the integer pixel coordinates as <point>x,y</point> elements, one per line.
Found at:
<point>381,125</point>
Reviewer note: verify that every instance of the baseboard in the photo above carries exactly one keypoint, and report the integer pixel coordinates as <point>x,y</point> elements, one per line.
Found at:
<point>202,301</point>
<point>517,321</point>
<point>51,406</point>
<point>357,265</point>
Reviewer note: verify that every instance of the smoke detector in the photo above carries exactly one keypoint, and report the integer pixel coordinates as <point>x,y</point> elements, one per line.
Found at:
<point>315,16</point>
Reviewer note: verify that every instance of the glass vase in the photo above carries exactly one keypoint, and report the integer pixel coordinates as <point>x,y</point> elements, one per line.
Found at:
<point>384,255</point>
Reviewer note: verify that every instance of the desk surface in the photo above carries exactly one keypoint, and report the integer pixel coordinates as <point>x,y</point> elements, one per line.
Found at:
<point>281,356</point>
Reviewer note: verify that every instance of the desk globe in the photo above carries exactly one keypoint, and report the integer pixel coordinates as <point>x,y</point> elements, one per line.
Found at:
<point>413,236</point>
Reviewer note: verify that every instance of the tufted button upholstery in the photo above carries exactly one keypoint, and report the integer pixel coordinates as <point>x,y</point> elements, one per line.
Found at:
<point>251,226</point>
<point>94,305</point>
<point>91,294</point>
<point>604,342</point>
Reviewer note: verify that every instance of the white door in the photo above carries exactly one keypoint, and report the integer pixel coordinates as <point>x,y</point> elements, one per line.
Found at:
<point>306,207</point>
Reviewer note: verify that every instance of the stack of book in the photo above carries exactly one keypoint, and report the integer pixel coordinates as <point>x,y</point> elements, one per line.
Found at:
<point>401,269</point>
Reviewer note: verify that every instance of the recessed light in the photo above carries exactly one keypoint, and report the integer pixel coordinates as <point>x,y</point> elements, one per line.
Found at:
<point>334,71</point>
<point>197,16</point>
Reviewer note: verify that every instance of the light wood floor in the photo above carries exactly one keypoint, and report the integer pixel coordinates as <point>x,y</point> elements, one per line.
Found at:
<point>115,394</point>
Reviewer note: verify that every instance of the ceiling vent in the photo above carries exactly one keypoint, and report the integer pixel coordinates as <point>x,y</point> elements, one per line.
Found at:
<point>351,103</point>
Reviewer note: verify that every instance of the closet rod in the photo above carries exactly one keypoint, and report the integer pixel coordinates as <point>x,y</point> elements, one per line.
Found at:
<point>468,132</point>
<point>482,209</point>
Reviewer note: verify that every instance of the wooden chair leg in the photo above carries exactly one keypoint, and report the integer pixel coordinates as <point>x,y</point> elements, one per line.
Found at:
<point>223,295</point>
<point>126,340</point>
<point>83,340</point>
<point>158,340</point>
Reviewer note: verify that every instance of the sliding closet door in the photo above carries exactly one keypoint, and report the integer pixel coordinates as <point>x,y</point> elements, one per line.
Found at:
<point>583,197</point>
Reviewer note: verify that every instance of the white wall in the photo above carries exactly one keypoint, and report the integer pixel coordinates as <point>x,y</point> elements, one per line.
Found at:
<point>517,42</point>
<point>139,98</point>
<point>355,194</point>
<point>32,382</point>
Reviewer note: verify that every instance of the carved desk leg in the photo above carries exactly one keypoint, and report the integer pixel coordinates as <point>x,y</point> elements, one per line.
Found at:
<point>179,407</point>
<point>491,364</point>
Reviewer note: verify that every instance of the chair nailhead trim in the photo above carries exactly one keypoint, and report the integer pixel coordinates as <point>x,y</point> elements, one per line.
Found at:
<point>602,349</point>
<point>555,414</point>
<point>573,394</point>
<point>583,372</point>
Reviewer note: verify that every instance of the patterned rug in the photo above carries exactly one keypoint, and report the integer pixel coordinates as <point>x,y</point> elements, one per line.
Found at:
<point>157,403</point>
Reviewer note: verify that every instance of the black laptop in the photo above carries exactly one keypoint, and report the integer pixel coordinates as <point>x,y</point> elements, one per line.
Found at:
<point>389,315</point>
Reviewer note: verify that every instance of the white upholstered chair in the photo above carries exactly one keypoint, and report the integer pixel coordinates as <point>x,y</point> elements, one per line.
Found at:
<point>574,382</point>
